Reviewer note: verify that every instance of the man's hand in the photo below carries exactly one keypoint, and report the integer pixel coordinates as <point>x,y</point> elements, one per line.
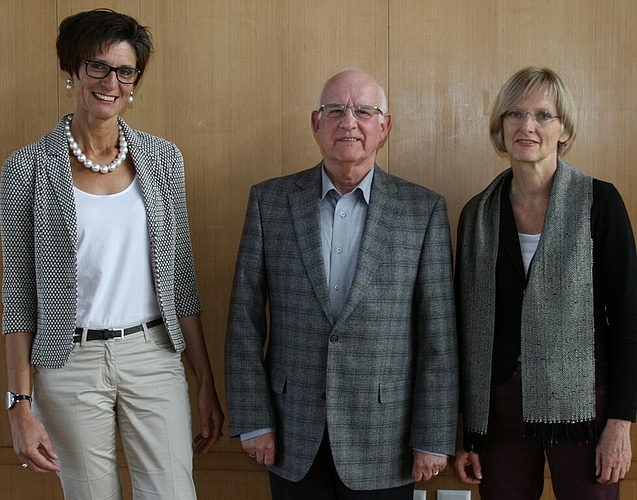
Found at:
<point>427,466</point>
<point>261,448</point>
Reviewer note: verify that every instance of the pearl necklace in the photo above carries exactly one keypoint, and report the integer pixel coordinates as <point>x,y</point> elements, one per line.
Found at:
<point>77,152</point>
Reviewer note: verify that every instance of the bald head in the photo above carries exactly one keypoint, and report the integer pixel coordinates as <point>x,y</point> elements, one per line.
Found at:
<point>349,140</point>
<point>356,81</point>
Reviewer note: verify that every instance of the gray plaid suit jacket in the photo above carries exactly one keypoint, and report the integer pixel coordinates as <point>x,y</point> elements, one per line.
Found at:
<point>382,377</point>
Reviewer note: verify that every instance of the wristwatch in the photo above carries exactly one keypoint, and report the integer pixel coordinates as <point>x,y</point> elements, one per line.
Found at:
<point>13,398</point>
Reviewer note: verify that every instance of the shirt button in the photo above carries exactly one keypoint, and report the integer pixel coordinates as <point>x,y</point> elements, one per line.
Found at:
<point>339,250</point>
<point>341,215</point>
<point>337,287</point>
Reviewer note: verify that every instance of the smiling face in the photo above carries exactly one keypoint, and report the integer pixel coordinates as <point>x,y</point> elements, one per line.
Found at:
<point>346,142</point>
<point>530,142</point>
<point>104,98</point>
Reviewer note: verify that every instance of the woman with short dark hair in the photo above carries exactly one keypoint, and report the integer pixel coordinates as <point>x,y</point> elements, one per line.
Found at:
<point>99,288</point>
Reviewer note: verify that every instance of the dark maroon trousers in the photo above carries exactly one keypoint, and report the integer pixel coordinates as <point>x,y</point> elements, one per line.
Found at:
<point>513,471</point>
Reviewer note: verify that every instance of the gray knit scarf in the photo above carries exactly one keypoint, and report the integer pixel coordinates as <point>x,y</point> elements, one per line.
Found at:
<point>557,330</point>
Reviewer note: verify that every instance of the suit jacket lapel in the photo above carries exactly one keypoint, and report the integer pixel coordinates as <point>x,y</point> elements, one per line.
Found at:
<point>304,207</point>
<point>376,238</point>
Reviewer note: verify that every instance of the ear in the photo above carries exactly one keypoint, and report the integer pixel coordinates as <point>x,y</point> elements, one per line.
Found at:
<point>564,136</point>
<point>385,126</point>
<point>315,121</point>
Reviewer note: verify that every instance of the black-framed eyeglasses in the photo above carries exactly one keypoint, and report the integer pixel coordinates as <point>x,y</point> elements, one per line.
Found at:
<point>517,117</point>
<point>362,112</point>
<point>124,74</point>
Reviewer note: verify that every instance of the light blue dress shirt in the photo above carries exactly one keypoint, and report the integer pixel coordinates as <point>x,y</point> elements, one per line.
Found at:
<point>342,223</point>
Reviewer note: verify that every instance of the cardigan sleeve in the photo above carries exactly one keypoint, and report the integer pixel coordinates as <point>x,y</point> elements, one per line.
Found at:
<point>615,282</point>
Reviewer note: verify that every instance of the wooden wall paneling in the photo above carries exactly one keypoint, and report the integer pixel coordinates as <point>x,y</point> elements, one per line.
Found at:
<point>321,39</point>
<point>233,83</point>
<point>28,86</point>
<point>29,78</point>
<point>441,62</point>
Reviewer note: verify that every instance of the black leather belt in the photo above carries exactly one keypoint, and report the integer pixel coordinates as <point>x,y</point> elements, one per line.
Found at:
<point>115,333</point>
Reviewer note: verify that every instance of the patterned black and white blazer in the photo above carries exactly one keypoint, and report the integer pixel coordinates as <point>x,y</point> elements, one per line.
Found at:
<point>39,240</point>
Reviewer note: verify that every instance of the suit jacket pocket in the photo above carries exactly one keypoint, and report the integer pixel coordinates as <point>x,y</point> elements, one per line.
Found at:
<point>278,381</point>
<point>395,391</point>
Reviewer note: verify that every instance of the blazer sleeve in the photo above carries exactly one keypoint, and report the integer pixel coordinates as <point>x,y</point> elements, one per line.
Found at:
<point>435,409</point>
<point>18,250</point>
<point>247,386</point>
<point>187,300</point>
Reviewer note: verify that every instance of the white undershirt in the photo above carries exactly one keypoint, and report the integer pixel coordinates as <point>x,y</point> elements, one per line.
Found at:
<point>115,282</point>
<point>528,245</point>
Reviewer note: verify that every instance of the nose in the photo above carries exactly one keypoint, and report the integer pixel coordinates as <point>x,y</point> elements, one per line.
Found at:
<point>528,118</point>
<point>110,79</point>
<point>348,121</point>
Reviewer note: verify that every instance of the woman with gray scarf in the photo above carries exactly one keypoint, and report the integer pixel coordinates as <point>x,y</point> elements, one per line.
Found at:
<point>546,283</point>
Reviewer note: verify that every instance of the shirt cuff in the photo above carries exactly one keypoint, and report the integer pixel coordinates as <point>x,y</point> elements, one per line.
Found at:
<point>251,435</point>
<point>442,455</point>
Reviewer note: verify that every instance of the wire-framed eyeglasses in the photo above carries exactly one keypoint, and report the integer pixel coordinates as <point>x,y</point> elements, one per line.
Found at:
<point>517,117</point>
<point>361,112</point>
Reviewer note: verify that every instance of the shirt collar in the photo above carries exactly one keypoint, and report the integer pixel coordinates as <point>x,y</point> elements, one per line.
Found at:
<point>365,185</point>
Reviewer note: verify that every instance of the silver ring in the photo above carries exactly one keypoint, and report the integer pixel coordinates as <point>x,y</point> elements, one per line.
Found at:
<point>436,473</point>
<point>25,466</point>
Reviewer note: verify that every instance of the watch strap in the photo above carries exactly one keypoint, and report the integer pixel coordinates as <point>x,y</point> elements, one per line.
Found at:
<point>13,398</point>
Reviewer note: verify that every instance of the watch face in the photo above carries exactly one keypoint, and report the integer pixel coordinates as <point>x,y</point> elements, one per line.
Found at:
<point>10,400</point>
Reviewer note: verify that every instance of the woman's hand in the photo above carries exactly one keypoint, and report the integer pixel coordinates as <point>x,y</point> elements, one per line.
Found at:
<point>210,411</point>
<point>466,466</point>
<point>613,453</point>
<point>29,438</point>
<point>212,419</point>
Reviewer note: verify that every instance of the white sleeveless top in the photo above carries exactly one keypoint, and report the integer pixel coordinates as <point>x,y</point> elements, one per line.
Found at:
<point>528,245</point>
<point>115,281</point>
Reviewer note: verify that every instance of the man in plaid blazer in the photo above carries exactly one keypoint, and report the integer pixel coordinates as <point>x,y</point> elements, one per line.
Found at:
<point>341,360</point>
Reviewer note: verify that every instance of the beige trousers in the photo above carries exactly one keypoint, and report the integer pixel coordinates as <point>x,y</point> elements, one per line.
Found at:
<point>134,387</point>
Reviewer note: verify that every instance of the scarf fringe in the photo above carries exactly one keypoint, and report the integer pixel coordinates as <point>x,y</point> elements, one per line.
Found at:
<point>475,442</point>
<point>540,434</point>
<point>573,433</point>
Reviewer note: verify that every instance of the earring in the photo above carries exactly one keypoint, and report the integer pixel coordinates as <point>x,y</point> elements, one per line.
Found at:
<point>131,98</point>
<point>69,84</point>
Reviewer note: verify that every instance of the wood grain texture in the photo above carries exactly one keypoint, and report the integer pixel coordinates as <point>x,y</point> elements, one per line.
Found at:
<point>233,83</point>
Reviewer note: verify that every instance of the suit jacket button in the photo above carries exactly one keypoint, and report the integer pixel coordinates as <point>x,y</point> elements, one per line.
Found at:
<point>334,338</point>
